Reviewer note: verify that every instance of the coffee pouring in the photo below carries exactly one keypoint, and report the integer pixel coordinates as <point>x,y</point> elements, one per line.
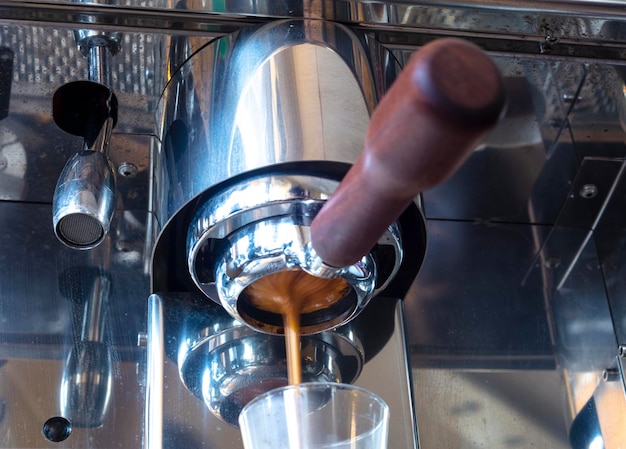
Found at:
<point>257,176</point>
<point>442,104</point>
<point>259,173</point>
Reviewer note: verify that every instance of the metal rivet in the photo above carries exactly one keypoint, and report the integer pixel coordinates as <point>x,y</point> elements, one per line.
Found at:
<point>588,191</point>
<point>569,98</point>
<point>127,170</point>
<point>552,262</point>
<point>610,375</point>
<point>142,339</point>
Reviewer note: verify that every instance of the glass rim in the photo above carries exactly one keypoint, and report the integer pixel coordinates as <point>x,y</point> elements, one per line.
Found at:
<point>311,385</point>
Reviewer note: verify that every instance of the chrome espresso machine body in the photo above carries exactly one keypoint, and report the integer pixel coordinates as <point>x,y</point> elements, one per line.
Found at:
<point>491,313</point>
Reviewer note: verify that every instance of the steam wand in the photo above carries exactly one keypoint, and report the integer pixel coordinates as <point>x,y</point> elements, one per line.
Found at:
<point>84,198</point>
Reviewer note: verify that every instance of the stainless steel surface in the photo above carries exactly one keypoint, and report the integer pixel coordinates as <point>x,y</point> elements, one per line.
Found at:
<point>84,200</point>
<point>53,309</point>
<point>226,364</point>
<point>499,356</point>
<point>563,27</point>
<point>254,175</point>
<point>99,65</point>
<point>260,226</point>
<point>177,414</point>
<point>259,97</point>
<point>88,375</point>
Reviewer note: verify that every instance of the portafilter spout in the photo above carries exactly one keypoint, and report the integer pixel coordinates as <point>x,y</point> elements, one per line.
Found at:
<point>443,103</point>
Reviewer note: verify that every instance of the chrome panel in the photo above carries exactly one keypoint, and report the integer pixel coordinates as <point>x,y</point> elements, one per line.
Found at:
<point>56,309</point>
<point>610,239</point>
<point>500,357</point>
<point>260,97</point>
<point>523,171</point>
<point>508,345</point>
<point>184,419</point>
<point>565,27</point>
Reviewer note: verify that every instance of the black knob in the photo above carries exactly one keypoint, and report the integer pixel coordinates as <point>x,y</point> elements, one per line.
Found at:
<point>57,429</point>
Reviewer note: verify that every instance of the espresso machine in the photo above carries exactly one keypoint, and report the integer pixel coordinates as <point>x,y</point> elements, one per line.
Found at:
<point>246,170</point>
<point>486,309</point>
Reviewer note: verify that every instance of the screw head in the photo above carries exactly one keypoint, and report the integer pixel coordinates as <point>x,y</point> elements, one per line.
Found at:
<point>127,170</point>
<point>142,339</point>
<point>610,375</point>
<point>57,429</point>
<point>588,191</point>
<point>552,262</point>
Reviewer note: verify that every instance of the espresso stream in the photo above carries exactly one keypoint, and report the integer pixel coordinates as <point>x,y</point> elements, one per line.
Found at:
<point>291,294</point>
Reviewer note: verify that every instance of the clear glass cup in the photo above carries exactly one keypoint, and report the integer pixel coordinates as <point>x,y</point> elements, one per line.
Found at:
<point>316,415</point>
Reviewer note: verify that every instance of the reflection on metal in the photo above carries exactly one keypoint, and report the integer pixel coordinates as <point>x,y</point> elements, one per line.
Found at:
<point>262,96</point>
<point>153,418</point>
<point>260,226</point>
<point>226,364</point>
<point>580,212</point>
<point>499,356</point>
<point>13,165</point>
<point>501,408</point>
<point>600,423</point>
<point>483,320</point>
<point>55,305</point>
<point>88,374</point>
<point>204,366</point>
<point>521,173</point>
<point>473,369</point>
<point>84,200</point>
<point>594,225</point>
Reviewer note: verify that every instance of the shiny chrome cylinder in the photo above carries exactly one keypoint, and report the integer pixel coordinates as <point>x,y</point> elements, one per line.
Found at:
<point>84,200</point>
<point>257,129</point>
<point>226,363</point>
<point>260,226</point>
<point>289,91</point>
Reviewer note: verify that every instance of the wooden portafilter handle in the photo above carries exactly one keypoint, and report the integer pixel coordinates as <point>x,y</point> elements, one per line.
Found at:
<point>437,111</point>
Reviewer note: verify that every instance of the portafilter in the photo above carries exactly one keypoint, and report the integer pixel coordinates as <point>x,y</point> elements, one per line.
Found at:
<point>437,111</point>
